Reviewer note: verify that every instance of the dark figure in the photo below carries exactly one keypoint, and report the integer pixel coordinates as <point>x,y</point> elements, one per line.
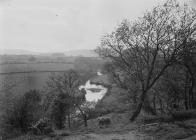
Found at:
<point>104,122</point>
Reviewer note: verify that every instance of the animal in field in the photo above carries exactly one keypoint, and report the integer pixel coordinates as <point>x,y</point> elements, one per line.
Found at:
<point>104,122</point>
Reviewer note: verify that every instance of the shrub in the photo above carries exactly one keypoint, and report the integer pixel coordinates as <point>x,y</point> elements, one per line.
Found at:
<point>21,112</point>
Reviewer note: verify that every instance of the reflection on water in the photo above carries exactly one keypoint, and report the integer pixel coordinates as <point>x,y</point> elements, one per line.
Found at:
<point>94,96</point>
<point>99,73</point>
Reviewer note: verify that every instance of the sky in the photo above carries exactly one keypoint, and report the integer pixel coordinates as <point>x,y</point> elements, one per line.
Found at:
<point>63,25</point>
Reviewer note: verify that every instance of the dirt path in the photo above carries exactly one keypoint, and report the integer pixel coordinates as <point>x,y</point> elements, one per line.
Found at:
<point>93,136</point>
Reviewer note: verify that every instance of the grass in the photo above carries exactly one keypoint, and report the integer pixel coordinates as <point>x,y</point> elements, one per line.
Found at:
<point>22,82</point>
<point>35,67</point>
<point>121,129</point>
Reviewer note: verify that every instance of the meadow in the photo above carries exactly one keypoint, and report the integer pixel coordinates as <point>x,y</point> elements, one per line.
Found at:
<point>18,74</point>
<point>7,68</point>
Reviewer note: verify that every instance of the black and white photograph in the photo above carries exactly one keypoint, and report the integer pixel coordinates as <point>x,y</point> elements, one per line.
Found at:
<point>97,69</point>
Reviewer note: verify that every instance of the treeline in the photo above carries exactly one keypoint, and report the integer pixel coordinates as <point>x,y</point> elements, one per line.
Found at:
<point>154,59</point>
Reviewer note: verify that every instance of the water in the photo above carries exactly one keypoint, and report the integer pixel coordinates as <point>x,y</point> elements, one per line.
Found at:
<point>99,73</point>
<point>94,96</point>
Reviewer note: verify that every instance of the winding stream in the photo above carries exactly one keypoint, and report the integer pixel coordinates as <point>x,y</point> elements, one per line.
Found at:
<point>94,92</point>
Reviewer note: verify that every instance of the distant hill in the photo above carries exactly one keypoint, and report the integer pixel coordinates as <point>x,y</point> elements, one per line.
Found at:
<point>80,52</point>
<point>85,53</point>
<point>16,52</point>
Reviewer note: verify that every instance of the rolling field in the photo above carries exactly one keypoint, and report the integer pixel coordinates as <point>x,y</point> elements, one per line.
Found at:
<point>19,78</point>
<point>35,67</point>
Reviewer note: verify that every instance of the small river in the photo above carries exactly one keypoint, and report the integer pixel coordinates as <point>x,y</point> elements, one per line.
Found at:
<point>96,94</point>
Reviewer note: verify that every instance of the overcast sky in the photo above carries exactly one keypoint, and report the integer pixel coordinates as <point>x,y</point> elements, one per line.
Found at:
<point>61,25</point>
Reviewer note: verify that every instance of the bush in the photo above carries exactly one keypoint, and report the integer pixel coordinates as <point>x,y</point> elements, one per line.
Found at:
<point>59,110</point>
<point>21,113</point>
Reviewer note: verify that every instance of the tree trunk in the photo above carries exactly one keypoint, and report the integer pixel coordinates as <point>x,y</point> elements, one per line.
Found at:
<point>161,106</point>
<point>69,120</point>
<point>186,93</point>
<point>85,121</point>
<point>60,122</point>
<point>147,107</point>
<point>192,90</point>
<point>190,103</point>
<point>83,115</point>
<point>139,107</point>
<point>154,103</point>
<point>186,100</point>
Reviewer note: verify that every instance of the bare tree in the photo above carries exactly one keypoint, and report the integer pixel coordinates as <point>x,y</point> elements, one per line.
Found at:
<point>188,60</point>
<point>145,48</point>
<point>67,85</point>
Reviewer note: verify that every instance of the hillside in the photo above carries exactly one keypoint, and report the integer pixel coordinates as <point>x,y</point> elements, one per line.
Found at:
<point>84,53</point>
<point>115,105</point>
<point>122,129</point>
<point>74,53</point>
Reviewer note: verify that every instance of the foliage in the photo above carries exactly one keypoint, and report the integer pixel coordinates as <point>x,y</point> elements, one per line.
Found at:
<point>143,50</point>
<point>64,96</point>
<point>22,112</point>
